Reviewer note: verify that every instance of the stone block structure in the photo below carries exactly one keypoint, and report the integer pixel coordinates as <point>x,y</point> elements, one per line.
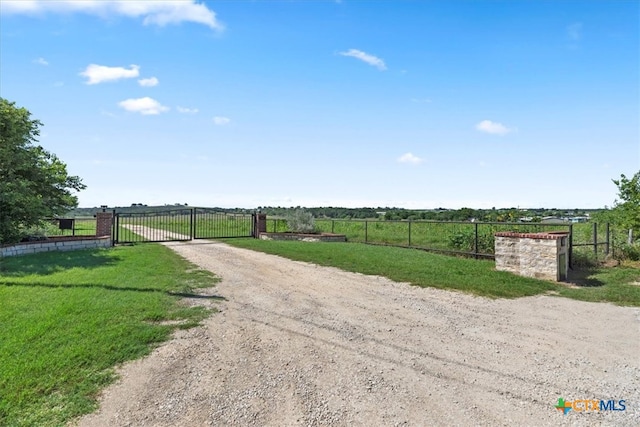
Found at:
<point>102,239</point>
<point>539,255</point>
<point>56,244</point>
<point>324,237</point>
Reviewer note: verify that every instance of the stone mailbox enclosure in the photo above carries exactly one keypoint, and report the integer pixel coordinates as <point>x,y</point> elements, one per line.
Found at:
<point>539,255</point>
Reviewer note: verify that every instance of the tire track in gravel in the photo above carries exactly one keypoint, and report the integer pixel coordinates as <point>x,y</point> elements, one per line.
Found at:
<point>299,344</point>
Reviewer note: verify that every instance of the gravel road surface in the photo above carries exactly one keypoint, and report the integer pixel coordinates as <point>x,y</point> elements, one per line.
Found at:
<point>295,344</point>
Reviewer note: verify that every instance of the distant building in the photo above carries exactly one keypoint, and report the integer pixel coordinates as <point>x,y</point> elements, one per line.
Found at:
<point>564,220</point>
<point>575,219</point>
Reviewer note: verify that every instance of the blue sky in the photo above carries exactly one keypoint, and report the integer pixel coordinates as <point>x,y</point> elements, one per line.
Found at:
<point>416,104</point>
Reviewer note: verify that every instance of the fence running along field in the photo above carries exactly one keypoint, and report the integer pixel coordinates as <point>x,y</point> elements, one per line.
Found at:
<point>465,238</point>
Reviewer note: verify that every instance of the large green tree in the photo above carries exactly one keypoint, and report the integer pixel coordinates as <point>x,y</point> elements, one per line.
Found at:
<point>627,208</point>
<point>34,184</point>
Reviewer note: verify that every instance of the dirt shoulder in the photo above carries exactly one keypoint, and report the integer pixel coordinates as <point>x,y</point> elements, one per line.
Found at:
<point>298,344</point>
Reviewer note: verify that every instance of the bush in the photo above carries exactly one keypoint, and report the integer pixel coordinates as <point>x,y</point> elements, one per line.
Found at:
<point>300,221</point>
<point>465,241</point>
<point>40,231</point>
<point>584,259</point>
<point>630,251</point>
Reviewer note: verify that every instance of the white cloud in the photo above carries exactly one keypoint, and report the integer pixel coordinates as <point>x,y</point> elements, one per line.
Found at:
<point>152,12</point>
<point>410,158</point>
<point>185,110</point>
<point>493,128</point>
<point>574,31</point>
<point>146,106</point>
<point>101,73</point>
<point>221,121</point>
<point>365,57</point>
<point>41,61</point>
<point>150,82</point>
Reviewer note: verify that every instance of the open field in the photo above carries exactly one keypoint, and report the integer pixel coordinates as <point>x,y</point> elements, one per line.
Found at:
<point>458,237</point>
<point>68,318</point>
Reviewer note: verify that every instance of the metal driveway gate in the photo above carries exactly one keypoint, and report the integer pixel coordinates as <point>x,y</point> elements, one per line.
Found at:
<point>212,224</point>
<point>180,225</point>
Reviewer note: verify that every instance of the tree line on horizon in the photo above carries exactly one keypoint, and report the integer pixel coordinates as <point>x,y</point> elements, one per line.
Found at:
<point>380,213</point>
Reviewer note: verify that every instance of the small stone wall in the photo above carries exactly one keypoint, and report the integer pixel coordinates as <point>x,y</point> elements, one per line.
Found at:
<point>56,244</point>
<point>539,255</point>
<point>324,237</point>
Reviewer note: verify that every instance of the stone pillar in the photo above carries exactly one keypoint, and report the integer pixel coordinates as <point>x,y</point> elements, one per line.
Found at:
<point>103,224</point>
<point>539,255</point>
<point>260,225</point>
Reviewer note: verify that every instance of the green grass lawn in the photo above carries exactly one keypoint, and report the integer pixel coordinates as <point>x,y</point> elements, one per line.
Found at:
<point>477,277</point>
<point>67,318</point>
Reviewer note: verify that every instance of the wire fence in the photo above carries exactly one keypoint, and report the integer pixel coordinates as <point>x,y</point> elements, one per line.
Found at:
<point>80,226</point>
<point>476,239</point>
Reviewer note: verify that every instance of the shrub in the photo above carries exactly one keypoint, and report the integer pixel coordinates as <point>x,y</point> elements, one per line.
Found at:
<point>584,259</point>
<point>40,231</point>
<point>300,221</point>
<point>630,251</point>
<point>465,241</point>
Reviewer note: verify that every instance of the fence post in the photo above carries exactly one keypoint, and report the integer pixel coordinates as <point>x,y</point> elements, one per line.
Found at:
<point>475,241</point>
<point>409,232</point>
<point>570,245</point>
<point>114,228</point>
<point>595,239</point>
<point>608,244</point>
<point>332,226</point>
<point>630,237</point>
<point>192,229</point>
<point>366,231</point>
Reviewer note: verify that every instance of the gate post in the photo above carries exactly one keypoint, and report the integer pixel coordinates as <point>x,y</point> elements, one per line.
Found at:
<point>104,223</point>
<point>259,224</point>
<point>192,225</point>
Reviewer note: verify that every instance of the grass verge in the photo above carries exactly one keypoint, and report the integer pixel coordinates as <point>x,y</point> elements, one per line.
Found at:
<point>477,277</point>
<point>66,319</point>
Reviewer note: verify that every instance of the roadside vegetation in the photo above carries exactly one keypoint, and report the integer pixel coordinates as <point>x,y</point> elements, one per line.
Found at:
<point>69,318</point>
<point>477,277</point>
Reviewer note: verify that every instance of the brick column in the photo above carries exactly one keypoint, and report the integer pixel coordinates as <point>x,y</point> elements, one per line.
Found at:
<point>103,223</point>
<point>260,225</point>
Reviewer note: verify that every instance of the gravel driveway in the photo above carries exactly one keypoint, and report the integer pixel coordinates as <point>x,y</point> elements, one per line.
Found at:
<point>301,345</point>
